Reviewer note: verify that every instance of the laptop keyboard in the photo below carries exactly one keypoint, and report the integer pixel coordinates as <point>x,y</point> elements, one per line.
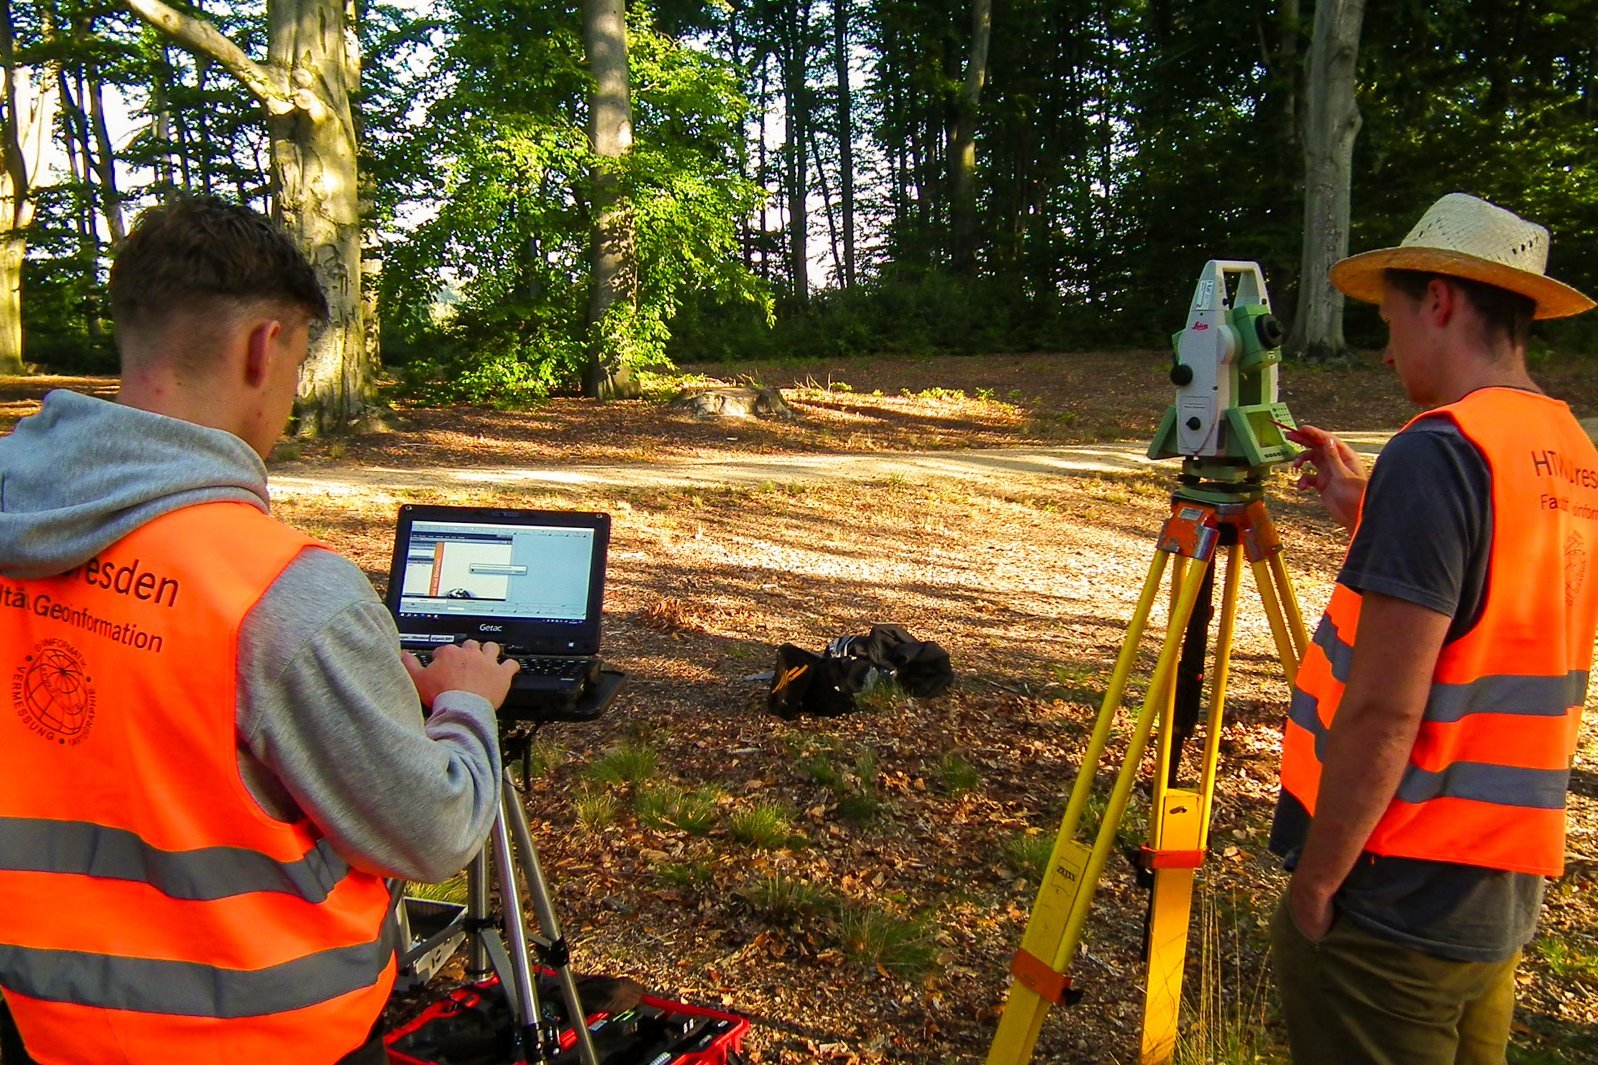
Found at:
<point>558,667</point>
<point>561,667</point>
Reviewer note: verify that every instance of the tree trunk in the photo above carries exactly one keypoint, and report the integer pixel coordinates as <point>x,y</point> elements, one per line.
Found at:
<point>962,142</point>
<point>312,71</point>
<point>1331,123</point>
<point>797,116</point>
<point>105,162</point>
<point>613,255</point>
<point>25,127</point>
<point>840,45</point>
<point>12,250</point>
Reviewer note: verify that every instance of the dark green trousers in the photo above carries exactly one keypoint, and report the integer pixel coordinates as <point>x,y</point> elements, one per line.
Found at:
<point>1354,998</point>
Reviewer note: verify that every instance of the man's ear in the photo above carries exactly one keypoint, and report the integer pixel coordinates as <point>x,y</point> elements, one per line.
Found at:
<point>259,350</point>
<point>1442,302</point>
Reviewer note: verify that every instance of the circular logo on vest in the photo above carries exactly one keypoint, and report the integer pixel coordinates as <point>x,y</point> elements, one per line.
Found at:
<point>1575,566</point>
<point>52,693</point>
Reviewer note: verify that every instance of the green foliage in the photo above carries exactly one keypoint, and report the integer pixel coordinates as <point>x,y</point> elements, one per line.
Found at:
<point>489,298</point>
<point>627,763</point>
<point>1568,961</point>
<point>1225,1012</point>
<point>543,758</point>
<point>892,943</point>
<point>668,806</point>
<point>694,876</point>
<point>1029,853</point>
<point>63,315</point>
<point>596,807</point>
<point>784,900</point>
<point>852,779</point>
<point>766,825</point>
<point>956,775</point>
<point>451,890</point>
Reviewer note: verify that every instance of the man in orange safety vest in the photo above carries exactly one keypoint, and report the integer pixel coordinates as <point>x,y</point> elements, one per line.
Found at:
<point>1433,723</point>
<point>212,752</point>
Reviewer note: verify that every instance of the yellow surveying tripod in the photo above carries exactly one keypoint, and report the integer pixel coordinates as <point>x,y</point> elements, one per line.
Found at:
<point>1226,424</point>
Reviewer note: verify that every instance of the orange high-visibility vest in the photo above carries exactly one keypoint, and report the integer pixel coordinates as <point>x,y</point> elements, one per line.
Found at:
<point>153,911</point>
<point>1486,780</point>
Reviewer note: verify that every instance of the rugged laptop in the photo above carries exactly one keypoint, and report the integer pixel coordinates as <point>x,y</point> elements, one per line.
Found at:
<point>532,581</point>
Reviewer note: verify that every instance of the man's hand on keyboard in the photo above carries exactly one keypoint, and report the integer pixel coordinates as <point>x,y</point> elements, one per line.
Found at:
<point>467,667</point>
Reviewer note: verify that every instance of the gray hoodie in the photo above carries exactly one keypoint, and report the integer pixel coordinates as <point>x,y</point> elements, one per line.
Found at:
<point>328,720</point>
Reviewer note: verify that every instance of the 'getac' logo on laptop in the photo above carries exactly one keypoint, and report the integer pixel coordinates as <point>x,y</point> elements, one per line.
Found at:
<point>490,628</point>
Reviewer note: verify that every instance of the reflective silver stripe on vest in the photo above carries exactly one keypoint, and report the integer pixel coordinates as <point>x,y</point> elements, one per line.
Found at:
<point>1541,789</point>
<point>1497,694</point>
<point>1526,696</point>
<point>1305,712</point>
<point>1338,654</point>
<point>206,873</point>
<point>189,989</point>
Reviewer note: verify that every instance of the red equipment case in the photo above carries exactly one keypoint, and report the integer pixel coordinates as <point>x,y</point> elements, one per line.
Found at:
<point>472,1025</point>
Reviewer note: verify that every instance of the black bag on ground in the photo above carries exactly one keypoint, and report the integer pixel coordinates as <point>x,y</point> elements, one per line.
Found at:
<point>825,685</point>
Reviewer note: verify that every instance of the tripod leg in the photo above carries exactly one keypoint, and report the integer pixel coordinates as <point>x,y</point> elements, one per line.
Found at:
<point>1223,673</point>
<point>478,924</point>
<point>554,944</point>
<point>1055,928</point>
<point>1082,789</point>
<point>1289,597</point>
<point>524,1004</point>
<point>1275,587</point>
<point>1187,690</point>
<point>1180,826</point>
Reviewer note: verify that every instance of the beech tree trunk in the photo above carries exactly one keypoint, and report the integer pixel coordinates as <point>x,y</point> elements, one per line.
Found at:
<point>613,253</point>
<point>311,72</point>
<point>796,105</point>
<point>25,125</point>
<point>1332,122</point>
<point>840,46</point>
<point>962,142</point>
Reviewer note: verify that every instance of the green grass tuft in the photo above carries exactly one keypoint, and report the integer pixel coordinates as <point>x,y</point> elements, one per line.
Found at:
<point>630,763</point>
<point>596,808</point>
<point>956,775</point>
<point>451,890</point>
<point>766,825</point>
<point>1029,853</point>
<point>692,875</point>
<point>669,806</point>
<point>894,944</point>
<point>783,899</point>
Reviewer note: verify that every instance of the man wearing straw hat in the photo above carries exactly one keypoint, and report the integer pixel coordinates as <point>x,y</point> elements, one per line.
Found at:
<point>1429,741</point>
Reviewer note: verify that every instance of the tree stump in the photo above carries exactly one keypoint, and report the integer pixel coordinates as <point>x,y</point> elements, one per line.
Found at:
<point>732,401</point>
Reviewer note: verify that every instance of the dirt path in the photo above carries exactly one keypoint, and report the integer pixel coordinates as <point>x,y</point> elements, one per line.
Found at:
<point>980,465</point>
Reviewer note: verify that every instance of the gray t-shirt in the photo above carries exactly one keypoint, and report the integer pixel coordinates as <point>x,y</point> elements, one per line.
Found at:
<point>1424,537</point>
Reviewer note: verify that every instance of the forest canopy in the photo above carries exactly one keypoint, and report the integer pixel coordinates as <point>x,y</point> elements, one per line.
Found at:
<point>804,177</point>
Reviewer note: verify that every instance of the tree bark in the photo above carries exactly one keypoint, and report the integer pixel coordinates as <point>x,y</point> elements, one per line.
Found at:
<point>796,103</point>
<point>613,255</point>
<point>840,45</point>
<point>311,73</point>
<point>1332,122</point>
<point>962,141</point>
<point>105,162</point>
<point>25,127</point>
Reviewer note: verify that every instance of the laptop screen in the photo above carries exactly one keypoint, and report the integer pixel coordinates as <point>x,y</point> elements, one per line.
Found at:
<point>531,580</point>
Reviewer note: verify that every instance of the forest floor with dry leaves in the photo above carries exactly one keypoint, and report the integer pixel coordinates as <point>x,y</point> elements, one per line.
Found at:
<point>857,885</point>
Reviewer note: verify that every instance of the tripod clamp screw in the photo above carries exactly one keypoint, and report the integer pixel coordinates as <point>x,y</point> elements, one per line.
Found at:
<point>556,954</point>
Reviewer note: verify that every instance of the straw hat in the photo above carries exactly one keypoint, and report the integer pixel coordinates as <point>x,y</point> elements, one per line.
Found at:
<point>1462,236</point>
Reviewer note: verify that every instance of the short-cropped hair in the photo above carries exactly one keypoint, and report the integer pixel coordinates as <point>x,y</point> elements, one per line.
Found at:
<point>1504,312</point>
<point>197,250</point>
